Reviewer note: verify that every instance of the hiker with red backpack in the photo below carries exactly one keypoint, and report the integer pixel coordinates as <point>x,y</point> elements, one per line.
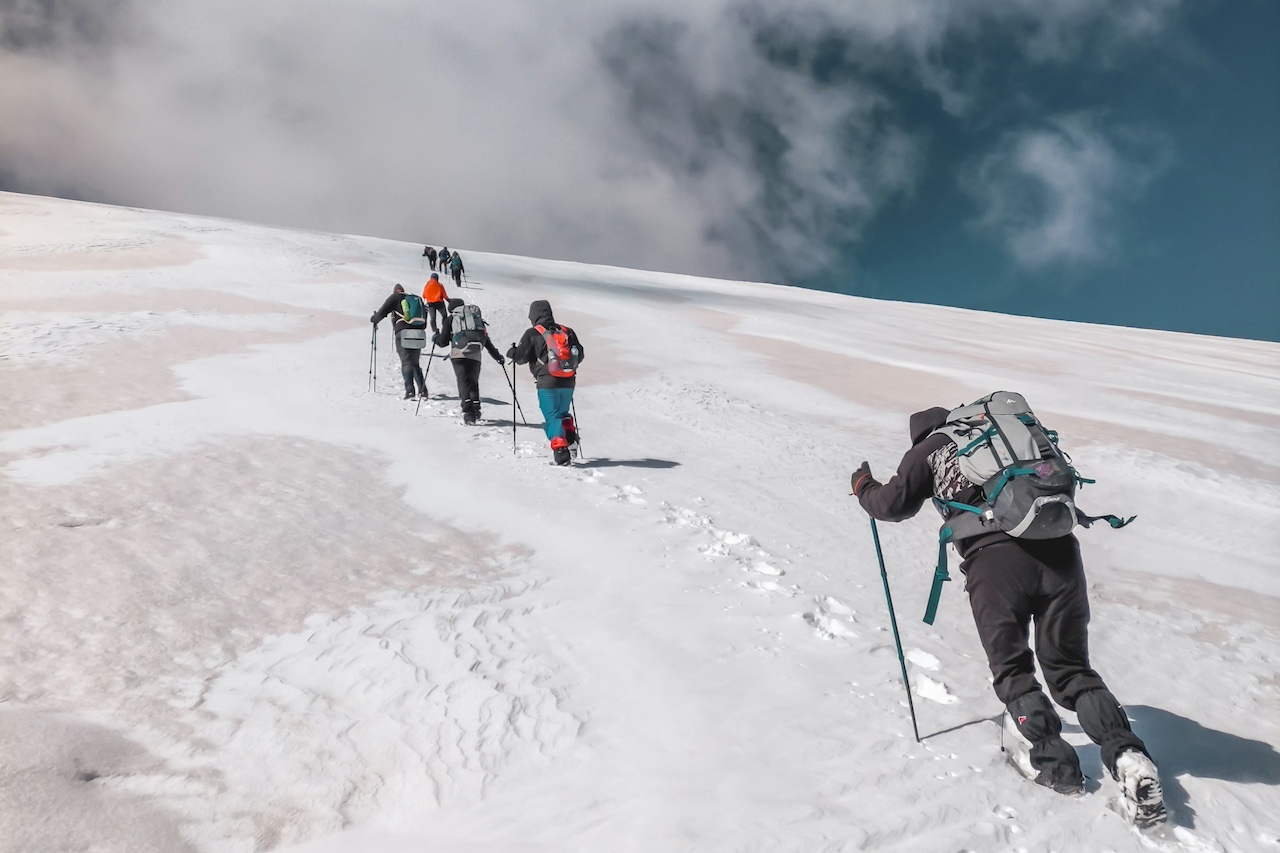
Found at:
<point>553,354</point>
<point>410,331</point>
<point>1006,495</point>
<point>466,333</point>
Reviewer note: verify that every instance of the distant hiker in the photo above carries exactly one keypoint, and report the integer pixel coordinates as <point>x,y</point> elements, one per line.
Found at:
<point>990,468</point>
<point>456,267</point>
<point>433,294</point>
<point>410,334</point>
<point>431,255</point>
<point>553,354</point>
<point>444,257</point>
<point>466,333</point>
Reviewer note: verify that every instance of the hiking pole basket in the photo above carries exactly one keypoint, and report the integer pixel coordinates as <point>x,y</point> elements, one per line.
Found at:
<point>893,622</point>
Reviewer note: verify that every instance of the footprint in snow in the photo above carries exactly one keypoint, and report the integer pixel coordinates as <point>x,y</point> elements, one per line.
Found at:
<point>767,585</point>
<point>764,568</point>
<point>631,495</point>
<point>829,626</point>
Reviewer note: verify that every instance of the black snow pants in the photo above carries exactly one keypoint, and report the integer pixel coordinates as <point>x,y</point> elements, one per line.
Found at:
<point>1012,585</point>
<point>411,367</point>
<point>434,308</point>
<point>468,372</point>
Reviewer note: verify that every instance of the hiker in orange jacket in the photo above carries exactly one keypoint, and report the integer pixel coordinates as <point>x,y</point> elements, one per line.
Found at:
<point>435,297</point>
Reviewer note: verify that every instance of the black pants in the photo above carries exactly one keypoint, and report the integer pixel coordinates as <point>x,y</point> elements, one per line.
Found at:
<point>457,277</point>
<point>1013,585</point>
<point>434,308</point>
<point>410,367</point>
<point>468,372</point>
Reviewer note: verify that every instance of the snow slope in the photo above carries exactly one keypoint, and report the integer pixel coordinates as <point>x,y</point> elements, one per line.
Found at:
<point>248,604</point>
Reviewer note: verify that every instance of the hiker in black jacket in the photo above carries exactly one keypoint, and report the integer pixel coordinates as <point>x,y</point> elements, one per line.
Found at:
<point>556,377</point>
<point>465,332</point>
<point>430,254</point>
<point>1012,583</point>
<point>410,357</point>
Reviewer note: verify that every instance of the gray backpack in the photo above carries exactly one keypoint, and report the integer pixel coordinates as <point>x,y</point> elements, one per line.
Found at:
<point>468,329</point>
<point>1027,484</point>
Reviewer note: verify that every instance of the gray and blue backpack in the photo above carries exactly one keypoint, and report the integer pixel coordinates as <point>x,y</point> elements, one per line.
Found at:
<point>1026,483</point>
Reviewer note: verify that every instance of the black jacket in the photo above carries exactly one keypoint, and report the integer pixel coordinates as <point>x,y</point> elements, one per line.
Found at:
<point>532,349</point>
<point>392,307</point>
<point>444,338</point>
<point>916,481</point>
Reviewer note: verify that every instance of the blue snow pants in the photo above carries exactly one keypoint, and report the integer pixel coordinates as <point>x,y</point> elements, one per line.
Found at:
<point>555,403</point>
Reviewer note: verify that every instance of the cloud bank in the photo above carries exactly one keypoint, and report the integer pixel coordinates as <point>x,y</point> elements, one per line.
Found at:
<point>746,139</point>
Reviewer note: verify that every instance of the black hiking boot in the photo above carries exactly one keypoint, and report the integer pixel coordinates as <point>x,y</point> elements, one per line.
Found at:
<point>562,456</point>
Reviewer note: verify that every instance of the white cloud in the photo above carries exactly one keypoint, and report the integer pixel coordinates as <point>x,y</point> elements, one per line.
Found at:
<point>549,129</point>
<point>1050,193</point>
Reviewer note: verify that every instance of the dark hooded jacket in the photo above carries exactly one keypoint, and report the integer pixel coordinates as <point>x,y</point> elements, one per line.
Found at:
<point>532,349</point>
<point>443,338</point>
<point>925,470</point>
<point>392,307</point>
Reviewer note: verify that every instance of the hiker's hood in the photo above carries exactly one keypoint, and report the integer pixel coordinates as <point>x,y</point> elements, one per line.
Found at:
<point>923,423</point>
<point>399,288</point>
<point>455,303</point>
<point>540,313</point>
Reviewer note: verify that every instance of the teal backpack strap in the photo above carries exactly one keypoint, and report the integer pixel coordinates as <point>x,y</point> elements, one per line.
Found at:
<point>964,525</point>
<point>940,576</point>
<point>1115,522</point>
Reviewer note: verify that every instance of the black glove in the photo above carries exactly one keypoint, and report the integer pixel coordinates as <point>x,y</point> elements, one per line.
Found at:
<point>501,361</point>
<point>373,318</point>
<point>860,477</point>
<point>511,353</point>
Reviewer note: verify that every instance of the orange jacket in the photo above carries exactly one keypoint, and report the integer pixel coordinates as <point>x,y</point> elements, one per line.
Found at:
<point>434,292</point>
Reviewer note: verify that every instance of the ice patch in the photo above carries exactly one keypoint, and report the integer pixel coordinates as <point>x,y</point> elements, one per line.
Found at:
<point>935,691</point>
<point>923,659</point>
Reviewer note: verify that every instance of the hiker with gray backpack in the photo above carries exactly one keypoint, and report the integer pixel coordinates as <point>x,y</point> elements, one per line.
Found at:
<point>466,334</point>
<point>410,331</point>
<point>1006,494</point>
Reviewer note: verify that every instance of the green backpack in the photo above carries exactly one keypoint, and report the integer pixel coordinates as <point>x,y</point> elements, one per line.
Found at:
<point>412,310</point>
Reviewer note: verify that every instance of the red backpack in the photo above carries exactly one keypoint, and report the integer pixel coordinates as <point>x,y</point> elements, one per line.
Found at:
<point>561,358</point>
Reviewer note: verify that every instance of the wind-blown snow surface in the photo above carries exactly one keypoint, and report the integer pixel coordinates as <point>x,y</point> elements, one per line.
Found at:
<point>248,604</point>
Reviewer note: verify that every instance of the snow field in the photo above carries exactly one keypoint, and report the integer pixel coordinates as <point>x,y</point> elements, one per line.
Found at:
<point>317,619</point>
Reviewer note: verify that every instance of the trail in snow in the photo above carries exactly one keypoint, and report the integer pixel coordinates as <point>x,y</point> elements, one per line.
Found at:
<point>252,604</point>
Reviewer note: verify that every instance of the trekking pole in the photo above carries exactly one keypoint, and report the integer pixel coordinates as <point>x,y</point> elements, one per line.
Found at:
<point>373,356</point>
<point>425,376</point>
<point>512,384</point>
<point>573,407</point>
<point>515,402</point>
<point>893,621</point>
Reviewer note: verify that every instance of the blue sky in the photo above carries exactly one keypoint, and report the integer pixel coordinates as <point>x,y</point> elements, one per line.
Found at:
<point>1111,161</point>
<point>1197,248</point>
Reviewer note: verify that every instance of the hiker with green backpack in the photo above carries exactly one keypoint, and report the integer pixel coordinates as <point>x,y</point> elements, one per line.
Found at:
<point>410,331</point>
<point>465,333</point>
<point>1006,495</point>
